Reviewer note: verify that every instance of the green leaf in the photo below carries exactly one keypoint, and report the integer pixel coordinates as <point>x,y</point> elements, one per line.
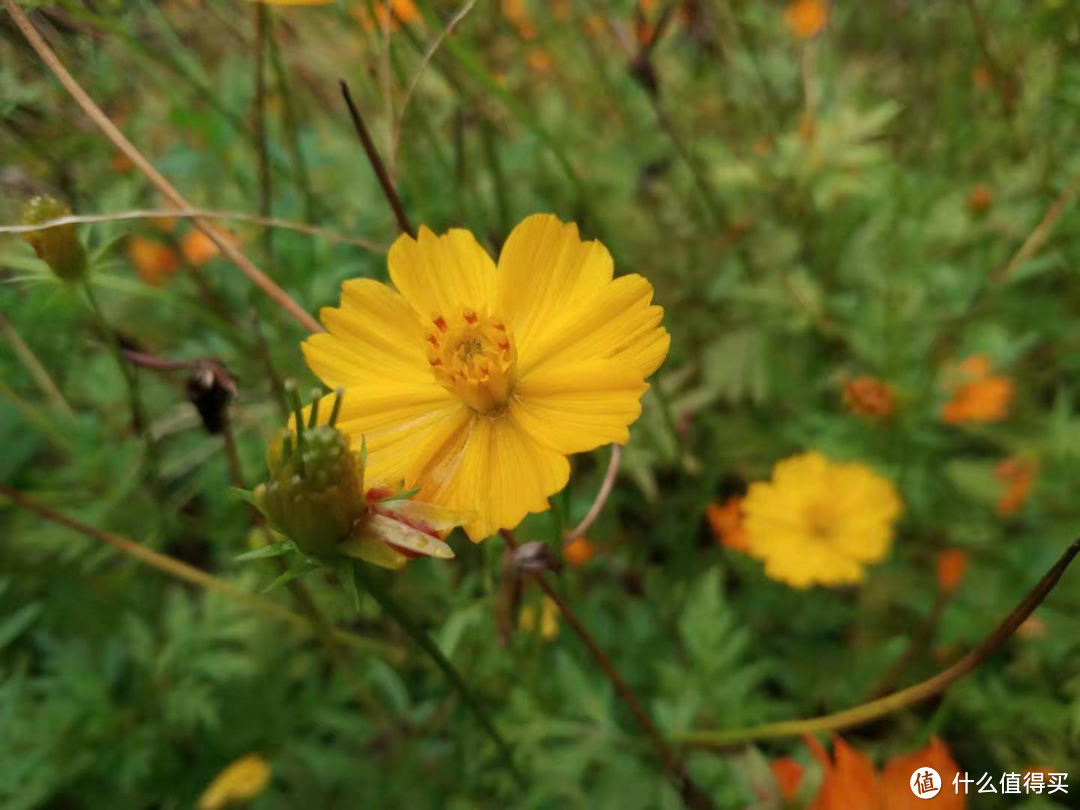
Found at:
<point>13,626</point>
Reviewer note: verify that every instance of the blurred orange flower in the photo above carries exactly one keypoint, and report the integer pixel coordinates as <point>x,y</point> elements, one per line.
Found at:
<point>806,18</point>
<point>980,397</point>
<point>951,565</point>
<point>787,773</point>
<point>579,552</point>
<point>869,397</point>
<point>850,781</point>
<point>980,199</point>
<point>154,261</point>
<point>387,15</point>
<point>726,522</point>
<point>540,61</point>
<point>198,248</point>
<point>1018,476</point>
<point>894,786</point>
<point>518,15</point>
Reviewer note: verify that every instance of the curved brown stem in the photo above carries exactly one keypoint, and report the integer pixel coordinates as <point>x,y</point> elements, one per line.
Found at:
<point>167,190</point>
<point>601,496</point>
<point>690,793</point>
<point>724,739</point>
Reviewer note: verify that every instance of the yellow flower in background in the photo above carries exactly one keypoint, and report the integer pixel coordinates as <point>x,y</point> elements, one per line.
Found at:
<point>819,522</point>
<point>474,382</point>
<point>244,779</point>
<point>544,621</point>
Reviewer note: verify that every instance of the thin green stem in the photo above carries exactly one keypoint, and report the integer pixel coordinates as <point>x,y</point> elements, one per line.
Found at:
<point>417,634</point>
<point>131,378</point>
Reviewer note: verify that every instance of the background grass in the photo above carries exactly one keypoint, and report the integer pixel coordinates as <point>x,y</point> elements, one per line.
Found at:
<point>805,211</point>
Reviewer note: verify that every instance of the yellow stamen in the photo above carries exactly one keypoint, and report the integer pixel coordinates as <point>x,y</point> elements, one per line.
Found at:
<point>473,356</point>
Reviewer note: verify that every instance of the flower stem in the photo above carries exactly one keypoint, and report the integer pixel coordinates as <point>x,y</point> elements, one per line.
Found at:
<point>689,792</point>
<point>730,738</point>
<point>417,634</point>
<point>131,378</point>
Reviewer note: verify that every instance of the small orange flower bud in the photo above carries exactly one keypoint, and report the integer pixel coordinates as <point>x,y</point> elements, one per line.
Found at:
<point>980,200</point>
<point>579,552</point>
<point>806,18</point>
<point>58,246</point>
<point>198,248</point>
<point>726,522</point>
<point>869,397</point>
<point>951,566</point>
<point>153,260</point>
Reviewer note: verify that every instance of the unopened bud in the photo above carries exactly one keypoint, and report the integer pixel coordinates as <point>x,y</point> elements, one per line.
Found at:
<point>58,246</point>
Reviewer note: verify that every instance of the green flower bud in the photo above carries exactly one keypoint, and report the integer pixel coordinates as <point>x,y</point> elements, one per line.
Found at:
<point>58,246</point>
<point>316,489</point>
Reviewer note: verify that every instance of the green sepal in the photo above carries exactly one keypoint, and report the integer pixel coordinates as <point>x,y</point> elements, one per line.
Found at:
<point>404,495</point>
<point>271,550</point>
<point>304,566</point>
<point>246,495</point>
<point>346,574</point>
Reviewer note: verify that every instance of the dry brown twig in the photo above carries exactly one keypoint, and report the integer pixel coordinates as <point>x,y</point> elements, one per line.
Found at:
<point>159,181</point>
<point>204,213</point>
<point>602,496</point>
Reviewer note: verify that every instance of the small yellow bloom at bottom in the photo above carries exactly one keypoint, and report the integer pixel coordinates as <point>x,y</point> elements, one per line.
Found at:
<point>819,522</point>
<point>243,779</point>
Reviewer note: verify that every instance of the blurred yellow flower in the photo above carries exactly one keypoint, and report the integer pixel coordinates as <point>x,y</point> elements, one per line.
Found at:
<point>819,522</point>
<point>243,779</point>
<point>544,620</point>
<point>475,383</point>
<point>806,18</point>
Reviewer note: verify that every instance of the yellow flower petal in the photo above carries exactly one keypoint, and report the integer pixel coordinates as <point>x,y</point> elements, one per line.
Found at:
<point>545,270</point>
<point>442,275</point>
<point>400,424</point>
<point>436,517</point>
<point>374,335</point>
<point>495,469</point>
<point>579,406</point>
<point>369,547</point>
<point>619,321</point>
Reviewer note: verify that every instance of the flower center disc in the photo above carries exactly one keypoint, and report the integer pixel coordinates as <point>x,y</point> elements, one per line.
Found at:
<point>473,356</point>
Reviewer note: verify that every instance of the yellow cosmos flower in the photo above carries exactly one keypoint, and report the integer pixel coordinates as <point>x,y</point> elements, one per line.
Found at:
<point>242,780</point>
<point>818,522</point>
<point>474,382</point>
